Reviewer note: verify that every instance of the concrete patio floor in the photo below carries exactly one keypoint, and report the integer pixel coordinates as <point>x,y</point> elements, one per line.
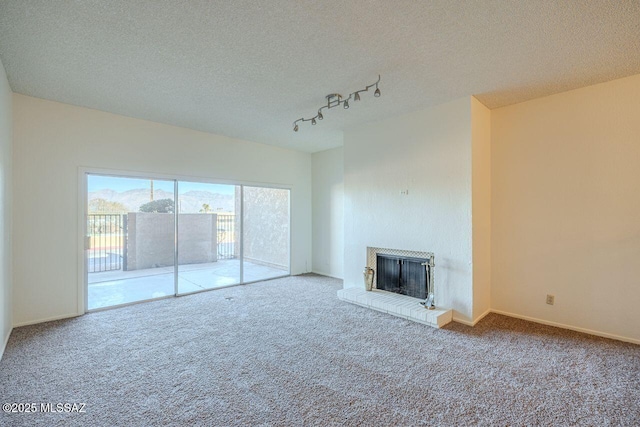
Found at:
<point>121,287</point>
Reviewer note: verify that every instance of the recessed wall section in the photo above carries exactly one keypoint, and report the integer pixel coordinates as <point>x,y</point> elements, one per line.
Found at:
<point>52,141</point>
<point>408,185</point>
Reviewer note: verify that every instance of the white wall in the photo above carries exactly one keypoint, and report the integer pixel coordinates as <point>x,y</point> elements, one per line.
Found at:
<point>6,125</point>
<point>481,205</point>
<point>328,212</point>
<point>566,208</point>
<point>428,153</point>
<point>52,140</point>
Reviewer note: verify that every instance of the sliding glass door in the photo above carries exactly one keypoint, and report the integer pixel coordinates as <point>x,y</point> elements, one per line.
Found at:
<point>208,236</point>
<point>130,240</point>
<point>150,238</point>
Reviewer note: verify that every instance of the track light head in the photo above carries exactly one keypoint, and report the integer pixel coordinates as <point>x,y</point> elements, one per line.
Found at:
<point>335,100</point>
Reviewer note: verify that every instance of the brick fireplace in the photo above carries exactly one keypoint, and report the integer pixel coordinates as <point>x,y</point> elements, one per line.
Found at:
<point>400,284</point>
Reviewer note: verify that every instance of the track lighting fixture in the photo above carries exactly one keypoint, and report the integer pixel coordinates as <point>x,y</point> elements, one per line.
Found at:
<point>335,99</point>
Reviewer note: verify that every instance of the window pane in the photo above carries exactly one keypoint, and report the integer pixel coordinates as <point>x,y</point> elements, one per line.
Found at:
<point>208,230</point>
<point>130,227</point>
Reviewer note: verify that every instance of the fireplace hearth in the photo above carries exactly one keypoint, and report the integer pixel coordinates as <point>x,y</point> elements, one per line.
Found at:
<point>403,286</point>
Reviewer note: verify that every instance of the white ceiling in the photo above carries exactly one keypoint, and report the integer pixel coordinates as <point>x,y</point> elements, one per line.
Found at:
<point>248,69</point>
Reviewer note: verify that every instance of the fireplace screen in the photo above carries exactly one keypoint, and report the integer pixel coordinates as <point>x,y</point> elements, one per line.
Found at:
<point>402,275</point>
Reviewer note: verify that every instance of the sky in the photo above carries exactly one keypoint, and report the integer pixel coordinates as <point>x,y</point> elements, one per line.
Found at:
<point>101,182</point>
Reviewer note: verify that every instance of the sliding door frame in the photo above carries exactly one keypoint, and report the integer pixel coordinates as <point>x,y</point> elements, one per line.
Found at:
<point>82,275</point>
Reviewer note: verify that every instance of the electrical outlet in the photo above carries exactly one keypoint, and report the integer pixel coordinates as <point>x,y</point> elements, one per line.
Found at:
<point>551,299</point>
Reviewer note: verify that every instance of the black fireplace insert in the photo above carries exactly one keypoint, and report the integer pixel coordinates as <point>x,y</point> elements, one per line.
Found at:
<point>402,275</point>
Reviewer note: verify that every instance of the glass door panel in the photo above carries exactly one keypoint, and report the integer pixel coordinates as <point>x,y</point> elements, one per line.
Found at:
<point>208,236</point>
<point>266,233</point>
<point>130,240</point>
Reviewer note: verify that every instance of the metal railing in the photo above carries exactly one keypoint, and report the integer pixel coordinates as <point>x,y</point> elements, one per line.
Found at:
<point>226,225</point>
<point>107,247</point>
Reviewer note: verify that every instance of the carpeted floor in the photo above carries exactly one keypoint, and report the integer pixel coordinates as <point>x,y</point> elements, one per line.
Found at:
<point>287,352</point>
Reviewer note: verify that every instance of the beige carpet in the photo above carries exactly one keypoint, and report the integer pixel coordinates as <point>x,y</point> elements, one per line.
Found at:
<point>287,352</point>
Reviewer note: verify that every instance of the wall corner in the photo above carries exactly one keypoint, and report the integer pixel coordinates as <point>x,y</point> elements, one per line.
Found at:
<point>481,206</point>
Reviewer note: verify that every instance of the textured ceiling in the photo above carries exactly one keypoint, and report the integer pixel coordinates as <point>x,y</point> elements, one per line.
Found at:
<point>248,69</point>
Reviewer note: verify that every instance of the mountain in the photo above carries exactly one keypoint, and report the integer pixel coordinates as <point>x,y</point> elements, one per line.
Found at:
<point>189,202</point>
<point>192,201</point>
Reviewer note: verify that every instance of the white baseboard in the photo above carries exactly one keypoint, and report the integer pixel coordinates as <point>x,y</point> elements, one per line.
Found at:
<point>326,274</point>
<point>4,343</point>
<point>472,322</point>
<point>482,316</point>
<point>570,327</point>
<point>549,323</point>
<point>464,322</point>
<point>49,319</point>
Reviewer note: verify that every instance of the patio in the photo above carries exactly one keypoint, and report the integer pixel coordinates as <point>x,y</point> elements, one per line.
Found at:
<point>117,287</point>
